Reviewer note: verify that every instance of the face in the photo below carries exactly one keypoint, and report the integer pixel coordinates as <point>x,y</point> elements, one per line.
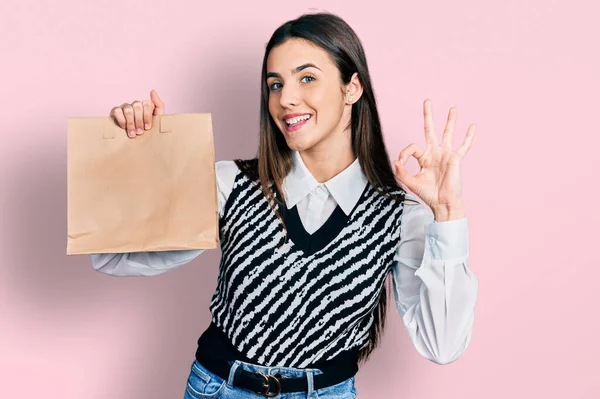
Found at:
<point>307,99</point>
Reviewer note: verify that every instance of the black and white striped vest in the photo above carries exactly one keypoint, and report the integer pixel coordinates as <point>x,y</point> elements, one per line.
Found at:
<point>302,300</point>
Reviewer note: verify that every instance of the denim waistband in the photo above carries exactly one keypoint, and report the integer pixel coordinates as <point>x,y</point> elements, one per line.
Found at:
<point>289,372</point>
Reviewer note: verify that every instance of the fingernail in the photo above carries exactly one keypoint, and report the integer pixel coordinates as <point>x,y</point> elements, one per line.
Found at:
<point>147,126</point>
<point>131,133</point>
<point>139,131</point>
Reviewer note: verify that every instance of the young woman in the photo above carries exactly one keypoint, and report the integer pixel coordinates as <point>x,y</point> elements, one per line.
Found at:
<point>311,229</point>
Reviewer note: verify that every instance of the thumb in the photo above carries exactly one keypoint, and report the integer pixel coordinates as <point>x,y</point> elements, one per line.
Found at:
<point>159,106</point>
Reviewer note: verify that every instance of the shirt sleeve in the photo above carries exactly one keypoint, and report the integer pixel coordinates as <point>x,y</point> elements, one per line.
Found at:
<point>434,290</point>
<point>158,262</point>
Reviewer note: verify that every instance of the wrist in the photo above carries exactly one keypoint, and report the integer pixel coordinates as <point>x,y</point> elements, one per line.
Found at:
<point>447,212</point>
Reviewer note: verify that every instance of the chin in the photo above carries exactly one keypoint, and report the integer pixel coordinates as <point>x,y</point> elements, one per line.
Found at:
<point>297,146</point>
<point>300,145</point>
<point>301,140</point>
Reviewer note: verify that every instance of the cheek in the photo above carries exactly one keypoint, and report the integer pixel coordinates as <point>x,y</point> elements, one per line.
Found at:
<point>327,101</point>
<point>273,108</point>
<point>328,110</point>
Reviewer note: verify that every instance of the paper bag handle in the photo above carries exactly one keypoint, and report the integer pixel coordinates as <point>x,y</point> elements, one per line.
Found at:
<point>165,125</point>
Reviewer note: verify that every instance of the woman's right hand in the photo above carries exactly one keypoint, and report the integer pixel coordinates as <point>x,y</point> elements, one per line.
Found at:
<point>137,116</point>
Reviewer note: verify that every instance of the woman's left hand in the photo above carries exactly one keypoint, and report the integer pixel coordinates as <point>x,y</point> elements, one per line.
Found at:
<point>438,183</point>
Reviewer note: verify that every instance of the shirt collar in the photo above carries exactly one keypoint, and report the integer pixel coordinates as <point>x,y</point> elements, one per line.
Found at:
<point>346,187</point>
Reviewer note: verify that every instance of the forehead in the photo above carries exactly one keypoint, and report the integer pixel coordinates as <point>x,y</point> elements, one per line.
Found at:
<point>295,52</point>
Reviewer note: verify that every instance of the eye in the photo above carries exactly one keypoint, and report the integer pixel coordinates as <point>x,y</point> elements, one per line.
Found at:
<point>274,86</point>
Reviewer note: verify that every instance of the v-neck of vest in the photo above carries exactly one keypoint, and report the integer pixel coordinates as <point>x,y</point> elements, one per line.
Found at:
<point>307,243</point>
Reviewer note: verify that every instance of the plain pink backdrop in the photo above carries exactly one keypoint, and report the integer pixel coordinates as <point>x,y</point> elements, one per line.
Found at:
<point>525,71</point>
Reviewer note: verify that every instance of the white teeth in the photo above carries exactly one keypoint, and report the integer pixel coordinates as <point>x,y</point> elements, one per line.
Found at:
<point>297,119</point>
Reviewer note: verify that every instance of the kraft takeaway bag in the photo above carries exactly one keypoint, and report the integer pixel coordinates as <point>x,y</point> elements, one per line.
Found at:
<point>154,192</point>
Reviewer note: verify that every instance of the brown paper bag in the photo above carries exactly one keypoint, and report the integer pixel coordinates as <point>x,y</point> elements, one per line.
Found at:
<point>154,192</point>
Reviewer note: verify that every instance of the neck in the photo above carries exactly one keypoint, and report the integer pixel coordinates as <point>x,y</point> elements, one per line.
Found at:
<point>324,164</point>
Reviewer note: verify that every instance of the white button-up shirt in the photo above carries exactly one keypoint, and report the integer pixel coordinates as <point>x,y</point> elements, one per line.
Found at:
<point>435,292</point>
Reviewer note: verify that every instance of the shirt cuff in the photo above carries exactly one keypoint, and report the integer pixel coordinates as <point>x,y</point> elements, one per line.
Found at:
<point>447,240</point>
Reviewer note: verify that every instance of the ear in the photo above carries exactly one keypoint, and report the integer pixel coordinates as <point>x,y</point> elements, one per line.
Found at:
<point>354,89</point>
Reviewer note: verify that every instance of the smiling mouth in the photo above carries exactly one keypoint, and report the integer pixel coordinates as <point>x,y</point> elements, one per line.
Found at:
<point>297,121</point>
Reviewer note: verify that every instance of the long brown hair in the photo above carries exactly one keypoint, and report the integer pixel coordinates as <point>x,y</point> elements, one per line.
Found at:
<point>336,37</point>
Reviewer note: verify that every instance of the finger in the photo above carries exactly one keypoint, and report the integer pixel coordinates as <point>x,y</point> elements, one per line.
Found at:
<point>429,126</point>
<point>410,150</point>
<point>448,136</point>
<point>148,109</point>
<point>468,140</point>
<point>403,176</point>
<point>160,106</point>
<point>130,119</point>
<point>117,113</point>
<point>138,115</point>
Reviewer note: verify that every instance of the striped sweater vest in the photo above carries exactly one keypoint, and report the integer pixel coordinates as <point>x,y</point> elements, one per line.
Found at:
<point>302,299</point>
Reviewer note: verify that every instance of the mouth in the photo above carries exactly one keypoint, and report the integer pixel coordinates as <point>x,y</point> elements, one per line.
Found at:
<point>296,123</point>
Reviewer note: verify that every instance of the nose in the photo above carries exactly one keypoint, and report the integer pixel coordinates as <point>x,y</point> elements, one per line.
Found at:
<point>290,96</point>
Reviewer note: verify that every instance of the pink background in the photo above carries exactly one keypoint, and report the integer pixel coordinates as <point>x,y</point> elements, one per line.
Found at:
<point>525,71</point>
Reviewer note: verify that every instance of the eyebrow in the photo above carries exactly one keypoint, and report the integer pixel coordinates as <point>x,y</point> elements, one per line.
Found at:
<point>294,71</point>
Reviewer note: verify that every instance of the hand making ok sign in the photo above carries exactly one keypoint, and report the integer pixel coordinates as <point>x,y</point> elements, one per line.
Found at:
<point>438,183</point>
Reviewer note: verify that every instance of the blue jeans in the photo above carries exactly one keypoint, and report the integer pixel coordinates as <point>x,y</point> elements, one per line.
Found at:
<point>202,383</point>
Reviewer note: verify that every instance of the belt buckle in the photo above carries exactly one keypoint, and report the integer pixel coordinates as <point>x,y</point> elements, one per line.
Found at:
<point>266,385</point>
